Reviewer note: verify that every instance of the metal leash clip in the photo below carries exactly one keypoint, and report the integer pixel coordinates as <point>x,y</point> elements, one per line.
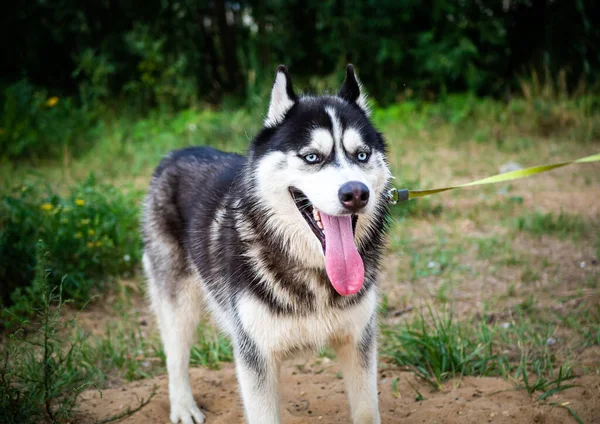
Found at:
<point>395,195</point>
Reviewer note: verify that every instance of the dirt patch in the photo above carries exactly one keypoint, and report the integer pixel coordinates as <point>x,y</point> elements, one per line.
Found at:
<point>316,394</point>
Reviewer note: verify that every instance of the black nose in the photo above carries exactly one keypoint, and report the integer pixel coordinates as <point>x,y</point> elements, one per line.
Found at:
<point>354,195</point>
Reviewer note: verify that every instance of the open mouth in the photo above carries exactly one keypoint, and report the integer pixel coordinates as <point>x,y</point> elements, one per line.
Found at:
<point>313,216</point>
<point>343,263</point>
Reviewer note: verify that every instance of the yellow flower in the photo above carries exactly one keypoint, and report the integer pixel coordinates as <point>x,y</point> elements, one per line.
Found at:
<point>1,131</point>
<point>79,202</point>
<point>52,101</point>
<point>98,243</point>
<point>90,244</point>
<point>91,232</point>
<point>46,207</point>
<point>78,235</point>
<point>85,221</point>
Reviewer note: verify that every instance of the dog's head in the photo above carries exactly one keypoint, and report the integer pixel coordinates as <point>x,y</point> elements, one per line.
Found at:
<point>320,170</point>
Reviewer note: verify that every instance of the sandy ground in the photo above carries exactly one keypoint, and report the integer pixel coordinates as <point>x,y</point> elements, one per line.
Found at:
<point>316,394</point>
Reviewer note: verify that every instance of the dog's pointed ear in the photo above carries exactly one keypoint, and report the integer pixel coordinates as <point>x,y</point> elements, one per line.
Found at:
<point>282,97</point>
<point>351,90</point>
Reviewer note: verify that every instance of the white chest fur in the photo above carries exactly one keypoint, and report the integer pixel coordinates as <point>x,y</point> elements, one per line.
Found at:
<point>278,335</point>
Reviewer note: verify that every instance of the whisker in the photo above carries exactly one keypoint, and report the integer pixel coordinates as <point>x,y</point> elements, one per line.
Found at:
<point>304,208</point>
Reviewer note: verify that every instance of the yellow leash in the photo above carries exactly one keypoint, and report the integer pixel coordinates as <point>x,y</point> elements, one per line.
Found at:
<point>396,196</point>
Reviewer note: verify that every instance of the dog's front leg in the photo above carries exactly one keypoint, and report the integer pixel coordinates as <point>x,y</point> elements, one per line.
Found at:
<point>359,363</point>
<point>258,376</point>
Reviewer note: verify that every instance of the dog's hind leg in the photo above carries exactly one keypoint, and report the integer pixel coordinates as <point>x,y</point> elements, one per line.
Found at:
<point>178,316</point>
<point>178,322</point>
<point>258,376</point>
<point>359,363</point>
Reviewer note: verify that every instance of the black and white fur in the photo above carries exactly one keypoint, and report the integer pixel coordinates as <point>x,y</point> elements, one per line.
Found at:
<point>223,231</point>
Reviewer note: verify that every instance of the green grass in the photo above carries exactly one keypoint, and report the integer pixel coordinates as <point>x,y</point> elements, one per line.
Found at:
<point>563,225</point>
<point>211,349</point>
<point>497,249</point>
<point>529,275</point>
<point>129,351</point>
<point>437,348</point>
<point>125,352</point>
<point>435,257</point>
<point>119,144</point>
<point>583,321</point>
<point>125,147</point>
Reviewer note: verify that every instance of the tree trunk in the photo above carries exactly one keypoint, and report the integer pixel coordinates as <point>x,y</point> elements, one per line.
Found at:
<point>210,55</point>
<point>227,39</point>
<point>263,45</point>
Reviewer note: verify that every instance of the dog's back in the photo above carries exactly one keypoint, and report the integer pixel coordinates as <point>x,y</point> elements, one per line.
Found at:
<point>188,186</point>
<point>186,180</point>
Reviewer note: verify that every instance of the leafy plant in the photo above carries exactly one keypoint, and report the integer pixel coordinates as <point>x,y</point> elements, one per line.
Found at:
<point>163,76</point>
<point>41,378</point>
<point>91,234</point>
<point>93,72</point>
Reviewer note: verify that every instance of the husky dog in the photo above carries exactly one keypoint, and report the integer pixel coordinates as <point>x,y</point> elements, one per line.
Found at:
<point>282,246</point>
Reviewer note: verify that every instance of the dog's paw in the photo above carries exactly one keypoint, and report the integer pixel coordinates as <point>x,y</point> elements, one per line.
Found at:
<point>186,412</point>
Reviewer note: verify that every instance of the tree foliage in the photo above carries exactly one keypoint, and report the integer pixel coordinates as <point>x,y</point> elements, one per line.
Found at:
<point>173,52</point>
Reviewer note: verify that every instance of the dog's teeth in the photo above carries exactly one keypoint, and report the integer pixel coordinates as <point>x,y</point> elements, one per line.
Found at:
<point>316,215</point>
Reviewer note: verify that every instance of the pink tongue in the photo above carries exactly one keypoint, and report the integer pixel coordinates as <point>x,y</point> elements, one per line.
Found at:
<point>343,263</point>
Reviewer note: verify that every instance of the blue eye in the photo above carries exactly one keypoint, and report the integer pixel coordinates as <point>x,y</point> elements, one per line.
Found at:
<point>311,158</point>
<point>362,156</point>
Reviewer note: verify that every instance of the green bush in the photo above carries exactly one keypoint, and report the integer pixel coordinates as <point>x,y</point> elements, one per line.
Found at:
<point>175,51</point>
<point>36,125</point>
<point>92,74</point>
<point>162,76</point>
<point>91,234</point>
